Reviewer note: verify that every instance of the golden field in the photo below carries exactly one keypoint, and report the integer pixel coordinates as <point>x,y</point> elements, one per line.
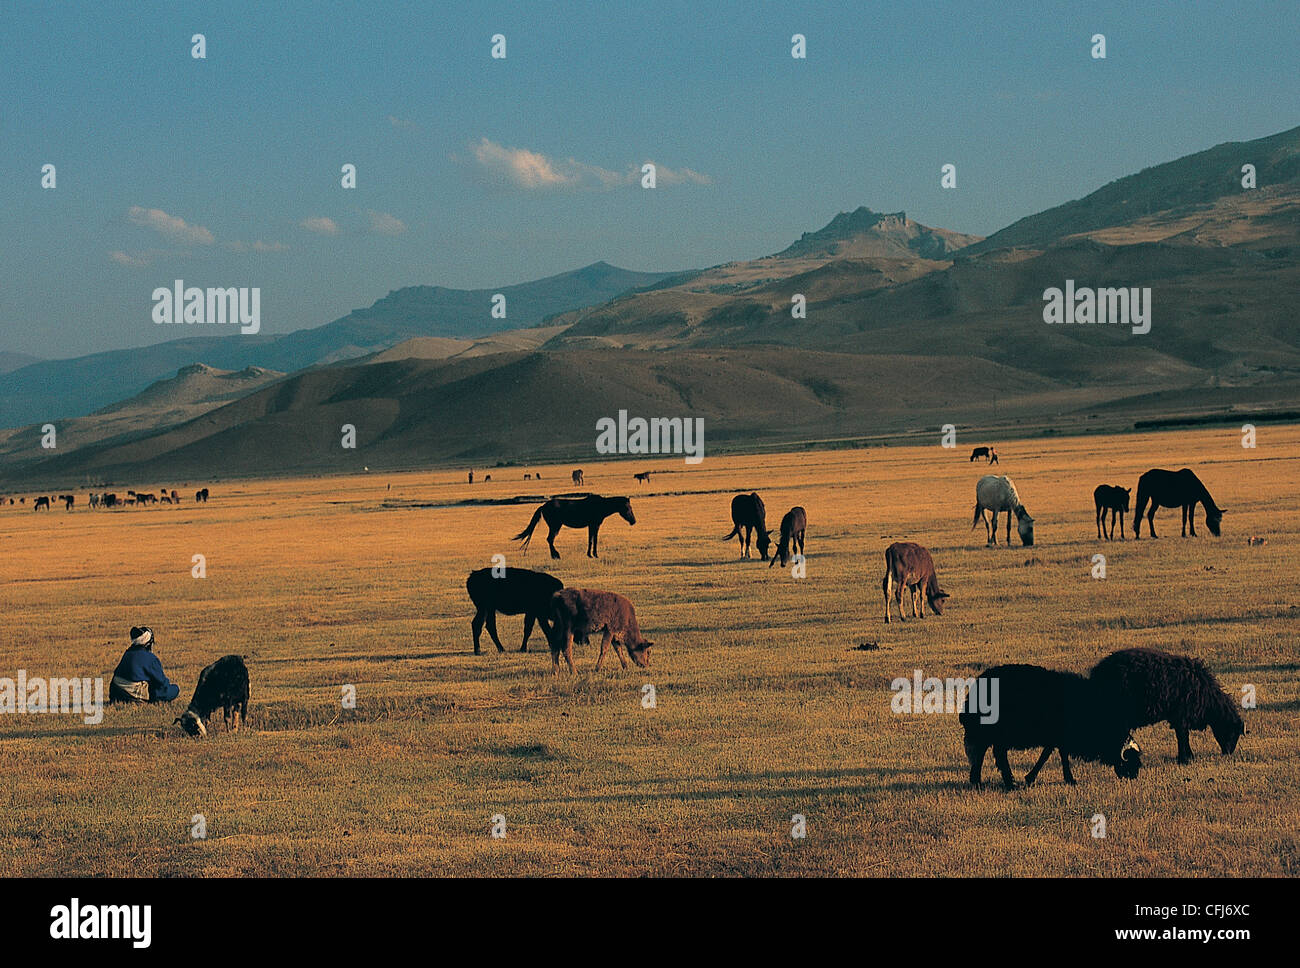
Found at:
<point>765,707</point>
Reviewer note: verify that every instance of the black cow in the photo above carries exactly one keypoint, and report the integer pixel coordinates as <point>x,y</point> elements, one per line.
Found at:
<point>224,685</point>
<point>518,590</point>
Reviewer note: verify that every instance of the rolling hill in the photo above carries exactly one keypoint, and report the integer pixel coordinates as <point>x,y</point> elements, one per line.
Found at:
<point>907,328</point>
<point>54,389</point>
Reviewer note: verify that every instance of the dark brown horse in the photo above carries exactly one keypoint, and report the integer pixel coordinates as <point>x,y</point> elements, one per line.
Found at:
<point>585,512</point>
<point>792,528</point>
<point>1175,489</point>
<point>748,513</point>
<point>1114,500</point>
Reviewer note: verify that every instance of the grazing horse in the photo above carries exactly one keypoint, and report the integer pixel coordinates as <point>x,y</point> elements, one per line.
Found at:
<point>792,528</point>
<point>41,502</point>
<point>1174,489</point>
<point>909,566</point>
<point>1114,500</point>
<point>585,512</point>
<point>643,477</point>
<point>577,476</point>
<point>747,512</point>
<point>999,494</point>
<point>68,500</point>
<point>514,591</point>
<point>201,497</point>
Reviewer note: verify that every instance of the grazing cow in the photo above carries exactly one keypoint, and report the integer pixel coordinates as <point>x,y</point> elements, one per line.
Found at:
<point>110,500</point>
<point>998,494</point>
<point>908,565</point>
<point>1031,706</point>
<point>201,497</point>
<point>68,500</point>
<point>643,477</point>
<point>1174,489</point>
<point>517,591</point>
<point>792,528</point>
<point>222,685</point>
<point>979,452</point>
<point>1156,687</point>
<point>1115,500</point>
<point>747,512</point>
<point>41,502</point>
<point>583,512</point>
<point>577,612</point>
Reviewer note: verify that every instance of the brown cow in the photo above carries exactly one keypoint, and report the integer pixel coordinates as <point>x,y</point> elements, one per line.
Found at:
<point>577,612</point>
<point>908,564</point>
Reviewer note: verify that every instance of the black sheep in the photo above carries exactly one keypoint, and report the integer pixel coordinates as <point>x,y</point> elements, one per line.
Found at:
<point>1156,687</point>
<point>224,684</point>
<point>1031,706</point>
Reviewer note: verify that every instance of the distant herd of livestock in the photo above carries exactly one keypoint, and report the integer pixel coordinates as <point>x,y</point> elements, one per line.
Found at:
<point>110,500</point>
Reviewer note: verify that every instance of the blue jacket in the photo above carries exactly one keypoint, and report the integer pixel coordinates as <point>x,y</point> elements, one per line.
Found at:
<point>141,665</point>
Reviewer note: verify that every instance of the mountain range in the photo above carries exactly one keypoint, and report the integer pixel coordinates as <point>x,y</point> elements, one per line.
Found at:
<point>906,327</point>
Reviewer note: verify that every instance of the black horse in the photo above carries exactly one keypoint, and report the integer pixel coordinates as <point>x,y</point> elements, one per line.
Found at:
<point>586,512</point>
<point>1174,489</point>
<point>1115,500</point>
<point>516,591</point>
<point>747,512</point>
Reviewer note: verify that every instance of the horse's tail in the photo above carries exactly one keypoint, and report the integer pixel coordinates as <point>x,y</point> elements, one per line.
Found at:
<point>976,519</point>
<point>734,531</point>
<point>527,533</point>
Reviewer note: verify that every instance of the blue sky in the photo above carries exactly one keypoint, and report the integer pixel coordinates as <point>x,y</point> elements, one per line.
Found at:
<point>474,172</point>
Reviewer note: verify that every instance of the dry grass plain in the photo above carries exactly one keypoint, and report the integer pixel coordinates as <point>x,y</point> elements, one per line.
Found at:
<point>765,708</point>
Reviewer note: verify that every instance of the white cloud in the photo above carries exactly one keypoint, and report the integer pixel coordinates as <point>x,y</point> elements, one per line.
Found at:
<point>171,226</point>
<point>519,166</point>
<point>381,223</point>
<point>126,259</point>
<point>320,225</point>
<point>680,176</point>
<point>534,171</point>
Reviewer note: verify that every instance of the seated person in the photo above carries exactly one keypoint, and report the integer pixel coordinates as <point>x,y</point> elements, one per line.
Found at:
<point>139,677</point>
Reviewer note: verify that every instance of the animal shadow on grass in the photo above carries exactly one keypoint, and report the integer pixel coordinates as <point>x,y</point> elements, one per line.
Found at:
<point>762,786</point>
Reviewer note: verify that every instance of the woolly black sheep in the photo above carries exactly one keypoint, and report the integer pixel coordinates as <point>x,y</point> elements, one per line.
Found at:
<point>1155,687</point>
<point>1032,706</point>
<point>224,684</point>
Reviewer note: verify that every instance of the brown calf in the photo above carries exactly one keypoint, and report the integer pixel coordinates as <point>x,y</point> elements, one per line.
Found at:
<point>577,612</point>
<point>909,565</point>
